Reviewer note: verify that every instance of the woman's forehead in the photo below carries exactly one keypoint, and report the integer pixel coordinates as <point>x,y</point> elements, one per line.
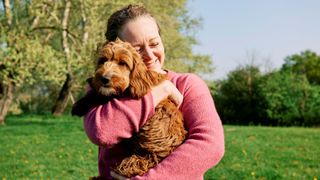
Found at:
<point>139,30</point>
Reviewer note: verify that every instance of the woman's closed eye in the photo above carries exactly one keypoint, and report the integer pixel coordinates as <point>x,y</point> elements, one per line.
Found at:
<point>138,49</point>
<point>155,44</point>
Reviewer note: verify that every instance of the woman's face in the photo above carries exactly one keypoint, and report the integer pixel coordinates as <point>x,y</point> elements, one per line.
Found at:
<point>144,36</point>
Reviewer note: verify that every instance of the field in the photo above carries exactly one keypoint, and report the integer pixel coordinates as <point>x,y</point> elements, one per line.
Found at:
<point>45,147</point>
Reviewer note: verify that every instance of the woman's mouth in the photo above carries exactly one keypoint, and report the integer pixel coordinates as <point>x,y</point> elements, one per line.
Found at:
<point>149,64</point>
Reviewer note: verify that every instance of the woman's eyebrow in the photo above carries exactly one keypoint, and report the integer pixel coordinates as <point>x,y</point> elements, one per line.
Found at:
<point>137,44</point>
<point>155,38</point>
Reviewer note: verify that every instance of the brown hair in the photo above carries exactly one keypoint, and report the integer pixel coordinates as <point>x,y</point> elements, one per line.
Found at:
<point>119,18</point>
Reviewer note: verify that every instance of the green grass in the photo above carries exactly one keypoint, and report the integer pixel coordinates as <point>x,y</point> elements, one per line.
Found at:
<point>44,147</point>
<point>39,147</point>
<point>269,153</point>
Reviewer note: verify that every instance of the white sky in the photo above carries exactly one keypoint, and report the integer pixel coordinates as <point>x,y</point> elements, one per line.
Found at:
<point>269,31</point>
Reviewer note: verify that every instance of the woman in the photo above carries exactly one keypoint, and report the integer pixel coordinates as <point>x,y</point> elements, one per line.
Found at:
<point>106,125</point>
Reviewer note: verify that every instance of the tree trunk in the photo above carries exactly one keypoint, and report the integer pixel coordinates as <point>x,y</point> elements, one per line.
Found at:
<point>6,96</point>
<point>85,35</point>
<point>6,90</point>
<point>7,7</point>
<point>62,100</point>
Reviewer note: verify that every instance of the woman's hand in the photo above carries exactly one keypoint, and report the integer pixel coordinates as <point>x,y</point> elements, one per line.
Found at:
<point>166,90</point>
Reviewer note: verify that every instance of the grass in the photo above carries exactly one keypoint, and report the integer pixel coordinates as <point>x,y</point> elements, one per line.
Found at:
<point>45,147</point>
<point>269,153</point>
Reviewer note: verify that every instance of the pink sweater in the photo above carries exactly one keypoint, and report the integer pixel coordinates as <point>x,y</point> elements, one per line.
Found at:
<point>106,125</point>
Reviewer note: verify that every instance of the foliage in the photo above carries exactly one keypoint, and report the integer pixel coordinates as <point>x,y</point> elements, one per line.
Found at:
<point>289,96</point>
<point>238,97</point>
<point>34,55</point>
<point>307,62</point>
<point>25,59</point>
<point>290,99</point>
<point>45,147</point>
<point>28,61</point>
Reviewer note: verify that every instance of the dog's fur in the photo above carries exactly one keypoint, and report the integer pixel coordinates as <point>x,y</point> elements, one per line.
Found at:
<point>121,72</point>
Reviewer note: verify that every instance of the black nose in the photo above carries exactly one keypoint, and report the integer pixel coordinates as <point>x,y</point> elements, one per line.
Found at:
<point>105,80</point>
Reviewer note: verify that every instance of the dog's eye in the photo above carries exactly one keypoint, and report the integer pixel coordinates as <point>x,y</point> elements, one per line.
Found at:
<point>102,60</point>
<point>122,63</point>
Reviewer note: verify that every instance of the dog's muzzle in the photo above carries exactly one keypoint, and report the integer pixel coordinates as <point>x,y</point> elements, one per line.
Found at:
<point>105,81</point>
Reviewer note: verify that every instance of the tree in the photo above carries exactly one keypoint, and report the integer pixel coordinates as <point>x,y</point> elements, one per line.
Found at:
<point>6,87</point>
<point>238,96</point>
<point>307,62</point>
<point>22,54</point>
<point>290,99</point>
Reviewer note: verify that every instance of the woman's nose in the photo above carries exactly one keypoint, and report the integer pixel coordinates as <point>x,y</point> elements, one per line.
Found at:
<point>147,53</point>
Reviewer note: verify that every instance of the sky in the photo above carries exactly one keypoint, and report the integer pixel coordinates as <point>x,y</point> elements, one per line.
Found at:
<point>262,33</point>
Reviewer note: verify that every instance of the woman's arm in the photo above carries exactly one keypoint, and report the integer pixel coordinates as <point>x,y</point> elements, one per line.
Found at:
<point>106,125</point>
<point>204,146</point>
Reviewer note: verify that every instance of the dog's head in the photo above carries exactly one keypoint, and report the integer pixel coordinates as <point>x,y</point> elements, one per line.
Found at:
<point>120,69</point>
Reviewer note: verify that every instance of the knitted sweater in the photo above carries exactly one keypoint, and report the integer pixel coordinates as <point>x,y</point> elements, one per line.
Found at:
<point>106,125</point>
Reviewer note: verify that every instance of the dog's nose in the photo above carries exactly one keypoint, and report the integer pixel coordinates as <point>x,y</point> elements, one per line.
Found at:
<point>105,80</point>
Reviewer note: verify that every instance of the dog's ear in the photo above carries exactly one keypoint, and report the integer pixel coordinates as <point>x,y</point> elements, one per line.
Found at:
<point>91,84</point>
<point>142,80</point>
<point>90,100</point>
<point>140,83</point>
<point>89,81</point>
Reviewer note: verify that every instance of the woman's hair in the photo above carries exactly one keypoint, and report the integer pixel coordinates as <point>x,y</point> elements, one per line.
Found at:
<point>119,18</point>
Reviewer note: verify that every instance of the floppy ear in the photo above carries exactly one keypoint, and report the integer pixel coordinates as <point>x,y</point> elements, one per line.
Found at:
<point>83,105</point>
<point>93,84</point>
<point>89,81</point>
<point>142,80</point>
<point>140,83</point>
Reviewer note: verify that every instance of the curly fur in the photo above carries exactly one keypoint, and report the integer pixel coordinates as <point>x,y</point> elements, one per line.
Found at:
<point>121,72</point>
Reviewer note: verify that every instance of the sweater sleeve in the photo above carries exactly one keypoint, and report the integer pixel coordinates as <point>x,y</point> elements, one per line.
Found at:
<point>106,125</point>
<point>204,146</point>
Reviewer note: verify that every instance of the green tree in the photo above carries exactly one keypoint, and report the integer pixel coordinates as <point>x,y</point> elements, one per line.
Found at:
<point>238,97</point>
<point>307,62</point>
<point>290,99</point>
<point>311,113</point>
<point>23,57</point>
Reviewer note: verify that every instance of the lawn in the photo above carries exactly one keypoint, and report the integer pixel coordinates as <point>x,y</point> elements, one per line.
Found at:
<point>45,147</point>
<point>269,153</point>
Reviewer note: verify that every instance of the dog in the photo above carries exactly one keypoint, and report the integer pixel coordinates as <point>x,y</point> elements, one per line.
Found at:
<point>120,71</point>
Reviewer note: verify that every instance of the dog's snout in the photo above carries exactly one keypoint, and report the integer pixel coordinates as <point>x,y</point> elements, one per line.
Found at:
<point>105,80</point>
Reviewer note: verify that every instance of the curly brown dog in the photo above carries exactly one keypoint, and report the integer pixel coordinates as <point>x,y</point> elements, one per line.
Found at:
<point>121,72</point>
